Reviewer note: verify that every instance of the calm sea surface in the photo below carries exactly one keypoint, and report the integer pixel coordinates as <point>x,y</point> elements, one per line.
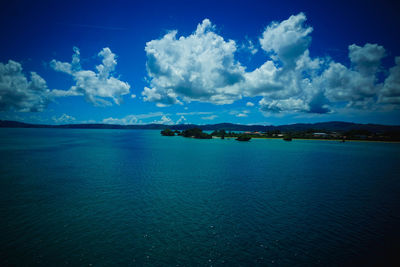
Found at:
<point>131,197</point>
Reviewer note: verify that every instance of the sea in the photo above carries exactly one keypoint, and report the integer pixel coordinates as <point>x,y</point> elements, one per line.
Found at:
<point>89,197</point>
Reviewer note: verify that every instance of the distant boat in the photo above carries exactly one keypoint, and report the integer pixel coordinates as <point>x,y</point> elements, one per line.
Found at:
<point>287,138</point>
<point>243,138</point>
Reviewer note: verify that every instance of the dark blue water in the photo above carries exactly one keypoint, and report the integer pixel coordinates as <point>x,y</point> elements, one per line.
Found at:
<point>121,197</point>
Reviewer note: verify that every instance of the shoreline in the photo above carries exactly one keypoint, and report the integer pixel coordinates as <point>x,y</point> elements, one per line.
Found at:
<point>336,140</point>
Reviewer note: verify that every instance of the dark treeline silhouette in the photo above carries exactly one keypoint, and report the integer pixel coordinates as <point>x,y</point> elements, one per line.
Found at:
<point>321,130</point>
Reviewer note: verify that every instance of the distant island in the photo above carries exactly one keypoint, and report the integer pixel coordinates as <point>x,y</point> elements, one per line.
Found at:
<point>287,136</point>
<point>334,130</point>
<point>199,134</point>
<point>193,132</point>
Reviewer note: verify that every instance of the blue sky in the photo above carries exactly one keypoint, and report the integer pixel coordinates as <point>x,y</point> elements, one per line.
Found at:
<point>248,62</point>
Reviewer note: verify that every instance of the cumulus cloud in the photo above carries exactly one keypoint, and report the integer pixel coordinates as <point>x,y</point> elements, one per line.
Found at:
<point>294,82</point>
<point>164,120</point>
<point>199,67</point>
<point>287,40</point>
<point>357,85</point>
<point>366,59</point>
<point>94,85</point>
<point>263,80</point>
<point>202,67</point>
<point>343,84</point>
<point>20,93</point>
<point>181,120</point>
<point>285,89</point>
<point>286,80</point>
<point>390,93</point>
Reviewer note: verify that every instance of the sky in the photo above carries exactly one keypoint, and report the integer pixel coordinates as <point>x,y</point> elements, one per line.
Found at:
<point>201,62</point>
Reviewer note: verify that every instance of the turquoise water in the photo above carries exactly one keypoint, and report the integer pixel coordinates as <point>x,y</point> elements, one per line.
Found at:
<point>130,197</point>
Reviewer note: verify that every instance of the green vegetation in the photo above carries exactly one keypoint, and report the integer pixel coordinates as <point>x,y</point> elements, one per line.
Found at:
<point>357,134</point>
<point>167,132</point>
<point>334,130</point>
<point>196,133</point>
<point>219,133</point>
<point>243,137</point>
<point>223,134</point>
<point>287,137</point>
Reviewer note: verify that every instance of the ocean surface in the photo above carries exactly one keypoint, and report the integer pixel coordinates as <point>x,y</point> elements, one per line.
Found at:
<point>132,197</point>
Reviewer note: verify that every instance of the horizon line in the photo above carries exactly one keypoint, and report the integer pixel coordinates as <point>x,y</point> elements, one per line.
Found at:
<point>182,124</point>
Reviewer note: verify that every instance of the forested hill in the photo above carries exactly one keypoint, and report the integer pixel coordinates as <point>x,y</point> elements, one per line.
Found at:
<point>336,126</point>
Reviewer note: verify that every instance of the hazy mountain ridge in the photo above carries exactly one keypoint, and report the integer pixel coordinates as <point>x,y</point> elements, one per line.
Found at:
<point>337,126</point>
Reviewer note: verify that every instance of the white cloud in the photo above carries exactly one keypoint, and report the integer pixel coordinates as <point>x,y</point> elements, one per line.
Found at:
<point>199,67</point>
<point>253,50</point>
<point>290,104</point>
<point>390,93</point>
<point>64,93</point>
<point>305,64</point>
<point>19,93</point>
<point>130,119</point>
<point>202,67</point>
<point>241,115</point>
<point>138,119</point>
<point>164,120</point>
<point>280,87</point>
<point>181,120</point>
<point>358,84</point>
<point>249,104</point>
<point>95,86</point>
<point>64,118</point>
<point>263,80</point>
<point>133,118</point>
<point>366,59</point>
<point>62,66</point>
<point>343,84</point>
<point>286,81</point>
<point>211,117</point>
<point>287,40</point>
<point>303,84</point>
<point>250,47</point>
